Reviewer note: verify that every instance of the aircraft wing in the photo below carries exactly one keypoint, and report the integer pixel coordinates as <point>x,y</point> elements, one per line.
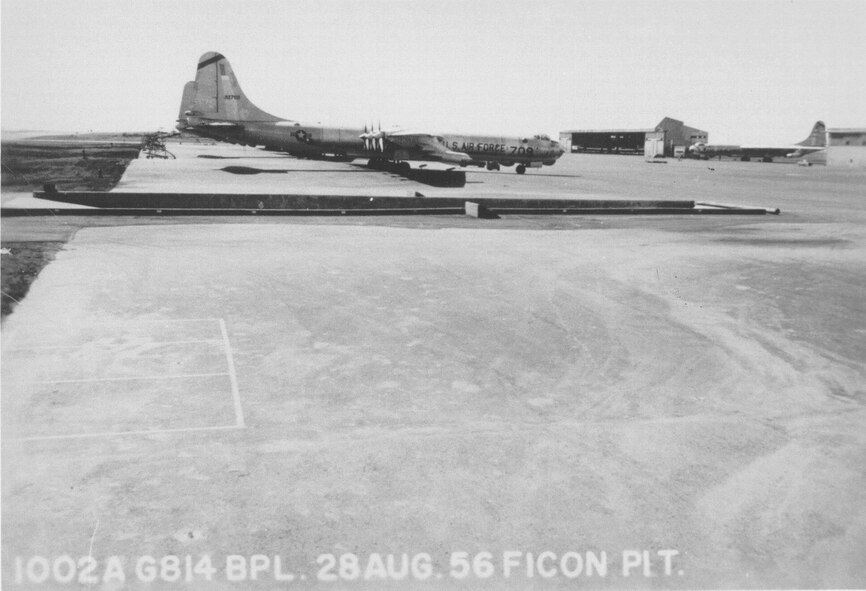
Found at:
<point>192,119</point>
<point>781,149</point>
<point>794,151</point>
<point>206,127</point>
<point>431,146</point>
<point>803,150</point>
<point>216,124</point>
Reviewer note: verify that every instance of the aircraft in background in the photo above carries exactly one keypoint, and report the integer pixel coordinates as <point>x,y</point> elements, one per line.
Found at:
<point>816,141</point>
<point>214,106</point>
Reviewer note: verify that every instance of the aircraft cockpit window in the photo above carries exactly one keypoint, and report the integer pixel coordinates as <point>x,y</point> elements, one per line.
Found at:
<point>525,140</point>
<point>542,136</point>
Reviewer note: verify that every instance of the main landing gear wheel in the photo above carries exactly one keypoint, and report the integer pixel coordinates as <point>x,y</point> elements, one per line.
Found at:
<point>520,169</point>
<point>492,166</point>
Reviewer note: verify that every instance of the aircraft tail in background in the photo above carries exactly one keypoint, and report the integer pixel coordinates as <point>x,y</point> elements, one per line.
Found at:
<point>216,94</point>
<point>186,100</point>
<point>818,137</point>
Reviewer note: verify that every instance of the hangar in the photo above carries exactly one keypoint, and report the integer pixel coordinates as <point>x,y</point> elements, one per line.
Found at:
<point>669,138</point>
<point>846,147</point>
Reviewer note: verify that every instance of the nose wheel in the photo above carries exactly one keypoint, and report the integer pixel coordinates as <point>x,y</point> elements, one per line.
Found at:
<point>520,169</point>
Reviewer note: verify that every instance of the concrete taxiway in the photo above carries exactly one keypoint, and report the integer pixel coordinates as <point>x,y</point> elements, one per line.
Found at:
<point>306,387</point>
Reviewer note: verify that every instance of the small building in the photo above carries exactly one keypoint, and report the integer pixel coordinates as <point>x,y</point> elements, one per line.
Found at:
<point>661,140</point>
<point>846,147</point>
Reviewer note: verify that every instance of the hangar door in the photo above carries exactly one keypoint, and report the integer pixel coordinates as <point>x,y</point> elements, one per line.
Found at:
<point>614,141</point>
<point>654,144</point>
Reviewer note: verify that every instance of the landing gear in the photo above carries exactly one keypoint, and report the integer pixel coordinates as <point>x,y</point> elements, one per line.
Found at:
<point>767,159</point>
<point>492,166</point>
<point>389,165</point>
<point>520,169</point>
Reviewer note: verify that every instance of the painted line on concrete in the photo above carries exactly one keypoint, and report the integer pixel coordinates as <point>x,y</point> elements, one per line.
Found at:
<point>155,320</point>
<point>127,379</point>
<point>122,433</point>
<point>239,411</point>
<point>125,323</point>
<point>113,345</point>
<point>239,417</point>
<point>113,324</point>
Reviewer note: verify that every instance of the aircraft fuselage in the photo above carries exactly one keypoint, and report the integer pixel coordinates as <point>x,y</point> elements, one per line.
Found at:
<point>315,140</point>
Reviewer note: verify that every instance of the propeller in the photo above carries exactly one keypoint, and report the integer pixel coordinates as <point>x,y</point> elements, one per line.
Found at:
<point>374,140</point>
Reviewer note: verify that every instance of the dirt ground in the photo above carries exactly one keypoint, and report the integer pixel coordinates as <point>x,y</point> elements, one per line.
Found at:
<point>72,165</point>
<point>21,266</point>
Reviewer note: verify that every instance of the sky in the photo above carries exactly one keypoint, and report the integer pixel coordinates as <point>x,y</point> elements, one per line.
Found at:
<point>747,72</point>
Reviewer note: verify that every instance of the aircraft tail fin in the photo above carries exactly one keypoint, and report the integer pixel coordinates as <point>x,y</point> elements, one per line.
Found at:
<point>187,99</point>
<point>216,94</point>
<point>818,137</point>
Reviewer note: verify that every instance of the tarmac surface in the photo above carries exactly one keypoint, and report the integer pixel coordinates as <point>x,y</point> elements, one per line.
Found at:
<point>679,400</point>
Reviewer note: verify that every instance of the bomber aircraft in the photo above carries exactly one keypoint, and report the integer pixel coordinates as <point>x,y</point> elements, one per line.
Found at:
<point>817,140</point>
<point>214,106</point>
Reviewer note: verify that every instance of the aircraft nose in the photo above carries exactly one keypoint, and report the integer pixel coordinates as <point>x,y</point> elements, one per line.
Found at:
<point>557,149</point>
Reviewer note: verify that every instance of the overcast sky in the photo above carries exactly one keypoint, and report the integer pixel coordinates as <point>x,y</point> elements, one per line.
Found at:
<point>747,72</point>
